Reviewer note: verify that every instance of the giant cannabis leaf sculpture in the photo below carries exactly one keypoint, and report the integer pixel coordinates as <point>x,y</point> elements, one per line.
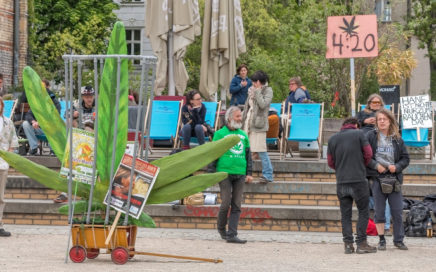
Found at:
<point>172,182</point>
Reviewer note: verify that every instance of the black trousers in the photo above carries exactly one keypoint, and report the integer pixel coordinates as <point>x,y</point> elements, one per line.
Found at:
<point>395,200</point>
<point>231,190</point>
<point>359,193</point>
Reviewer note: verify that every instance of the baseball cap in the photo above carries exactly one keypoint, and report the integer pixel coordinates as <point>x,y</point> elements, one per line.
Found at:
<point>88,90</point>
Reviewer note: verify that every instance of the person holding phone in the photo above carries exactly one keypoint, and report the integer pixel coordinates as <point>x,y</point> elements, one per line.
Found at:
<point>193,115</point>
<point>239,86</point>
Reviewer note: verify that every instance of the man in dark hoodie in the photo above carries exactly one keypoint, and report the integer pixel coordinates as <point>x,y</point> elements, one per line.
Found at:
<point>348,153</point>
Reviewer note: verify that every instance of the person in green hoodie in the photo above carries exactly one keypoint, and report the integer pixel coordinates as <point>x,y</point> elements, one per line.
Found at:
<point>237,163</point>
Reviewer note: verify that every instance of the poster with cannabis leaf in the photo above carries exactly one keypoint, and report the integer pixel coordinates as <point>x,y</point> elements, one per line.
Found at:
<point>352,36</point>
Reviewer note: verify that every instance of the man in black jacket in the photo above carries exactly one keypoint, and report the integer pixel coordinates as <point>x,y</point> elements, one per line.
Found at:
<point>31,126</point>
<point>348,153</point>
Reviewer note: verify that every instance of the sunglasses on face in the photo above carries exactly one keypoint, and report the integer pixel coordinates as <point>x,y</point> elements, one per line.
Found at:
<point>376,102</point>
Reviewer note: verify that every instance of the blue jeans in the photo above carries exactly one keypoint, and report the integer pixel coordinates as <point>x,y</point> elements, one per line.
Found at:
<point>31,134</point>
<point>267,168</point>
<point>188,131</point>
<point>387,212</point>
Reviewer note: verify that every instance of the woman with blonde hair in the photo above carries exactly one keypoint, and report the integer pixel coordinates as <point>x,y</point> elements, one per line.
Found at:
<point>390,158</point>
<point>366,117</point>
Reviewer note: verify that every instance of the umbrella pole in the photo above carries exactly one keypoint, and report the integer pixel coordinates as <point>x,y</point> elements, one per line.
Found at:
<point>170,45</point>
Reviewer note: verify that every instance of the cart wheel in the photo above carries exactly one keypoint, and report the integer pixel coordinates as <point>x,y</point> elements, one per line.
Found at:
<point>92,253</point>
<point>77,254</point>
<point>120,255</point>
<point>131,252</point>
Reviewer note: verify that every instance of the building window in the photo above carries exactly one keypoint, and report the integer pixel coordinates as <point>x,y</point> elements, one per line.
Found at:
<point>133,39</point>
<point>383,10</point>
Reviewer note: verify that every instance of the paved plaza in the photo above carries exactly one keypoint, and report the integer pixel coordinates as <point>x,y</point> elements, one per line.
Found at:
<point>43,248</point>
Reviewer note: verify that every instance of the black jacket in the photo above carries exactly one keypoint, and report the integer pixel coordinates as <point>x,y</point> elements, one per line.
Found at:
<point>361,116</point>
<point>29,115</point>
<point>348,152</point>
<point>401,156</point>
<point>193,116</point>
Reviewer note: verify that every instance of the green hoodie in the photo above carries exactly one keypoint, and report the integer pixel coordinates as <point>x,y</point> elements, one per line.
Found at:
<point>234,160</point>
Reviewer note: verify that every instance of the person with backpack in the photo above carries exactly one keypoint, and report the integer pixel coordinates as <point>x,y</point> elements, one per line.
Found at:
<point>296,93</point>
<point>385,171</point>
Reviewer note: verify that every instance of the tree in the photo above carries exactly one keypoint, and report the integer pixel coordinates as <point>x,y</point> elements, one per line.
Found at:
<point>422,22</point>
<point>59,27</point>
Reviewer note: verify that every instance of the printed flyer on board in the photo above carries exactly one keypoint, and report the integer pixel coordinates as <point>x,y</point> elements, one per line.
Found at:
<point>83,156</point>
<point>144,176</point>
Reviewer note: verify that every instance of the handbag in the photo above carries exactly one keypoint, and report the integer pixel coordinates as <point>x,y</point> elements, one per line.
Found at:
<point>389,183</point>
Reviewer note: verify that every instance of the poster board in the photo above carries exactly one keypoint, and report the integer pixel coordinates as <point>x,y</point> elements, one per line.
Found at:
<point>144,176</point>
<point>353,36</point>
<point>390,95</point>
<point>82,156</point>
<point>416,111</point>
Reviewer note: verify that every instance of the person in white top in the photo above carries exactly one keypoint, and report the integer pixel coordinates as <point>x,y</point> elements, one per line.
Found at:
<point>8,141</point>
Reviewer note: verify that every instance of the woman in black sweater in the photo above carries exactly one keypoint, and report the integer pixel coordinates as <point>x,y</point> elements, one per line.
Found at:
<point>193,115</point>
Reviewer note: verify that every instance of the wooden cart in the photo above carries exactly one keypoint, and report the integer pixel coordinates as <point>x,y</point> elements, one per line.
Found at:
<point>89,239</point>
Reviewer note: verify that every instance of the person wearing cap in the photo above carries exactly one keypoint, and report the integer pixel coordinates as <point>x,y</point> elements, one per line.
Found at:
<point>31,126</point>
<point>88,108</point>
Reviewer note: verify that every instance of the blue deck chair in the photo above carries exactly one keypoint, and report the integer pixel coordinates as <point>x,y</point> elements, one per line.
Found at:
<point>388,107</point>
<point>410,137</point>
<point>8,108</point>
<point>165,119</point>
<point>212,110</point>
<point>306,125</point>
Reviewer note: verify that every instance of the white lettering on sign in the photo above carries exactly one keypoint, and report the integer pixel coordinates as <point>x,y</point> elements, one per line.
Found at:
<point>416,111</point>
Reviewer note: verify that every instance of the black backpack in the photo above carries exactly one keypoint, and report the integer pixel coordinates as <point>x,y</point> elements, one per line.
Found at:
<point>416,221</point>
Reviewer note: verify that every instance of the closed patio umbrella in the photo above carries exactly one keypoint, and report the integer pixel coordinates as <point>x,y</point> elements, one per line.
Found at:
<point>223,42</point>
<point>171,25</point>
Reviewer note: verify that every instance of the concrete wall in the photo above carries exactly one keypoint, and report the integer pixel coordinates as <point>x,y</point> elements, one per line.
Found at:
<point>7,40</point>
<point>420,80</point>
<point>133,16</point>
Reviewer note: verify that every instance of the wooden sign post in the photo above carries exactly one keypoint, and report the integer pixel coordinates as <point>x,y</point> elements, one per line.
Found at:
<point>352,37</point>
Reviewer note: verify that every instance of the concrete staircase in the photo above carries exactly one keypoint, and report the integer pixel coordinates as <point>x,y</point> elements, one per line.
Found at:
<point>302,198</point>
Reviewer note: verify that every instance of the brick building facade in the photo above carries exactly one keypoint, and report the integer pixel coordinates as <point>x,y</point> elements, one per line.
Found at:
<point>7,14</point>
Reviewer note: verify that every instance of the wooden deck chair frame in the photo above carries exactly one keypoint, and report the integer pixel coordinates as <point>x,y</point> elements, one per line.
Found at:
<point>215,125</point>
<point>286,148</point>
<point>431,131</point>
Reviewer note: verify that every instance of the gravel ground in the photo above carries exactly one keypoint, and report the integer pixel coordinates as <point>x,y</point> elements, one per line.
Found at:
<point>44,248</point>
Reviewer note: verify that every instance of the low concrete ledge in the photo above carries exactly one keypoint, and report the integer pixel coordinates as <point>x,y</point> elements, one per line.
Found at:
<point>28,206</point>
<point>321,188</point>
<point>292,166</point>
<point>23,182</point>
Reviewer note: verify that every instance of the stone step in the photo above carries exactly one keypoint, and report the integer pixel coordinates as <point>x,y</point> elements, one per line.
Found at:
<point>276,193</point>
<point>253,217</point>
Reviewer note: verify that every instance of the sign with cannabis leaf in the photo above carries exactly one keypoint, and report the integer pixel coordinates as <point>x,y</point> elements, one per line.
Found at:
<point>352,36</point>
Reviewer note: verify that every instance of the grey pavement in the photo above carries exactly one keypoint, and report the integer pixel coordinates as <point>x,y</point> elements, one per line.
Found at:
<point>44,248</point>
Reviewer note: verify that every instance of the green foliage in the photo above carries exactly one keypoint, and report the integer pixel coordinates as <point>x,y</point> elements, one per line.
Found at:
<point>423,24</point>
<point>287,38</point>
<point>60,27</point>
<point>185,187</point>
<point>182,164</point>
<point>45,112</point>
<point>107,105</point>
